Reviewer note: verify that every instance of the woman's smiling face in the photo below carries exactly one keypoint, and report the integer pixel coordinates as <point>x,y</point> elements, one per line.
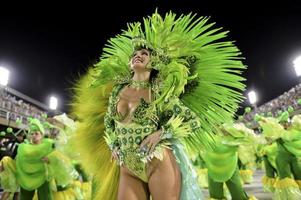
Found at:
<point>140,59</point>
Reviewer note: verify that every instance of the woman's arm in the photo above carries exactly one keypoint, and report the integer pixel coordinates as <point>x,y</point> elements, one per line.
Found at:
<point>177,121</point>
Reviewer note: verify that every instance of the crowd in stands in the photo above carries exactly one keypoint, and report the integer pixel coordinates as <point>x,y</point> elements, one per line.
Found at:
<point>18,108</point>
<point>279,104</point>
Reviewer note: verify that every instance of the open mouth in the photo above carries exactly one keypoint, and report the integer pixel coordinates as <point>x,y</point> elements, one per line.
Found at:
<point>138,61</point>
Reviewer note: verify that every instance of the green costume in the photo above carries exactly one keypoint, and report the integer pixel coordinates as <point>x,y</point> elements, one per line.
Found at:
<point>192,87</point>
<point>30,172</point>
<point>288,152</point>
<point>246,160</point>
<point>223,159</point>
<point>269,153</point>
<point>8,176</point>
<point>130,136</point>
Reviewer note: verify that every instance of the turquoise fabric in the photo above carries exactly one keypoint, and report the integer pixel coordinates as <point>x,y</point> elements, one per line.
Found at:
<point>190,187</point>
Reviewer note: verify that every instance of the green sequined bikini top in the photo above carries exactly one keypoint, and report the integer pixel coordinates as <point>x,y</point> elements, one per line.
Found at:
<point>139,111</point>
<point>139,114</point>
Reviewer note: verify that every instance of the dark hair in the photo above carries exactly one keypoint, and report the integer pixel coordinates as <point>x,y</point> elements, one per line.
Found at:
<point>153,75</point>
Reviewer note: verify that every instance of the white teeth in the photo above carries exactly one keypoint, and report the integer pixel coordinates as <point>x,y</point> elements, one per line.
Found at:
<point>137,61</point>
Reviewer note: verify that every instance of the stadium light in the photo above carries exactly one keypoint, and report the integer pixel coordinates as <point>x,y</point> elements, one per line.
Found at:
<point>252,97</point>
<point>53,103</point>
<point>297,65</point>
<point>4,76</point>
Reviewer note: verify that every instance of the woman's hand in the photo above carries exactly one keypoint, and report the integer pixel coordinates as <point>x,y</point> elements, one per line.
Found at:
<point>150,142</point>
<point>115,155</point>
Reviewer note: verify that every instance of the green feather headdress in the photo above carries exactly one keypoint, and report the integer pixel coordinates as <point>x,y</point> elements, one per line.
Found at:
<point>193,63</point>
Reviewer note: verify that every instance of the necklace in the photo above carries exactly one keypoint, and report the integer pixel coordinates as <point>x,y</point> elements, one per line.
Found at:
<point>140,84</point>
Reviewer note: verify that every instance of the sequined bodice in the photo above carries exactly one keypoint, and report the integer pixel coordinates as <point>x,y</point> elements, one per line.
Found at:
<point>146,118</point>
<point>130,137</point>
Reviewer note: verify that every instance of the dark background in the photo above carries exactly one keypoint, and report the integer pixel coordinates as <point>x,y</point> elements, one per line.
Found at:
<point>47,46</point>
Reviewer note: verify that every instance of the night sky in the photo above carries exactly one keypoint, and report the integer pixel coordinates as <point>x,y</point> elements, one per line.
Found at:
<point>45,50</point>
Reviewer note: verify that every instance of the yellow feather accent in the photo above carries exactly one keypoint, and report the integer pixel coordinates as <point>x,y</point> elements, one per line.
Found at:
<point>267,181</point>
<point>285,183</point>
<point>252,197</point>
<point>246,172</point>
<point>299,183</point>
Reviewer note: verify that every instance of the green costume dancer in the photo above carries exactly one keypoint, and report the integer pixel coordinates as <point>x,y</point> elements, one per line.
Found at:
<point>31,161</point>
<point>247,156</point>
<point>269,153</point>
<point>289,151</point>
<point>222,162</point>
<point>247,161</point>
<point>190,75</point>
<point>37,166</point>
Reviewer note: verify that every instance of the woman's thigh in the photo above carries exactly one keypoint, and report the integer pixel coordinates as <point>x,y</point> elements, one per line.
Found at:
<point>131,187</point>
<point>165,178</point>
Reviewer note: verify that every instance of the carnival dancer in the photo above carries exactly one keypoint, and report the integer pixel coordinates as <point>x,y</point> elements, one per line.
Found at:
<point>222,162</point>
<point>288,139</point>
<point>160,88</point>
